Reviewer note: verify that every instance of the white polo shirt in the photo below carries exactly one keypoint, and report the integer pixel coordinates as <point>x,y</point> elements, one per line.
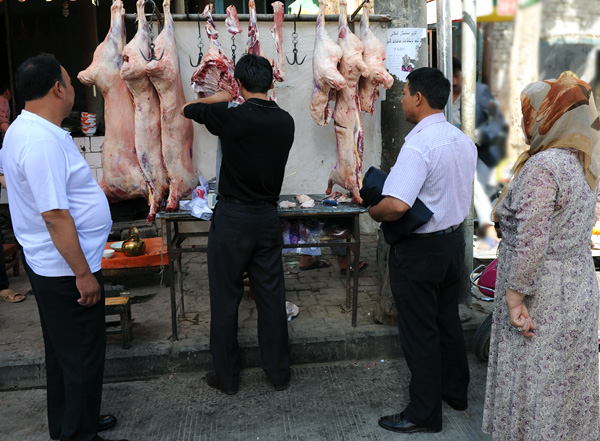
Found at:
<point>436,164</point>
<point>44,171</point>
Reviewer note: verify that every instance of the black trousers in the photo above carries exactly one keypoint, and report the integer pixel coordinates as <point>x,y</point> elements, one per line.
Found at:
<point>75,345</point>
<point>425,276</point>
<point>247,238</point>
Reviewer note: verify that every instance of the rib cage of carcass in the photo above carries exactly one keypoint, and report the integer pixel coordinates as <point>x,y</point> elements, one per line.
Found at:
<point>216,70</point>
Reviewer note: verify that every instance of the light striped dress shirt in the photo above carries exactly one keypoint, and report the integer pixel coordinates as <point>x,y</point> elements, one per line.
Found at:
<point>436,164</point>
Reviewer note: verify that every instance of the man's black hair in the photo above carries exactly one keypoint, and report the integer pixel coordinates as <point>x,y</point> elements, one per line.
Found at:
<point>3,87</point>
<point>432,84</point>
<point>456,65</point>
<point>36,76</point>
<point>255,73</point>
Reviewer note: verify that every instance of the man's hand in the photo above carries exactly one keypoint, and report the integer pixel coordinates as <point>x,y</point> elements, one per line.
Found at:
<point>89,288</point>
<point>222,96</point>
<point>63,233</point>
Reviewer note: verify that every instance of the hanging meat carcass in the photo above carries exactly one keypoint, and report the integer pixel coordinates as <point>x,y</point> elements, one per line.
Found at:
<point>216,70</point>
<point>121,174</point>
<point>277,33</point>
<point>326,76</point>
<point>147,113</point>
<point>349,134</point>
<point>232,21</point>
<point>374,57</point>
<point>253,44</point>
<point>177,133</point>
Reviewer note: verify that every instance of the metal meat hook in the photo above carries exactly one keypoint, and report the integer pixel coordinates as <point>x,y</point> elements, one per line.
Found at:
<point>152,53</point>
<point>200,44</point>
<point>295,42</point>
<point>357,10</point>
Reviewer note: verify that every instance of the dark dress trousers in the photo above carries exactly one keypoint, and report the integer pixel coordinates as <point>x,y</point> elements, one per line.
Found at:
<point>425,273</point>
<point>75,344</point>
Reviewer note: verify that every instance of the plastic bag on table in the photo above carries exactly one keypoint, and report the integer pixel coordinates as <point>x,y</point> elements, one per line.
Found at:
<point>199,204</point>
<point>305,231</point>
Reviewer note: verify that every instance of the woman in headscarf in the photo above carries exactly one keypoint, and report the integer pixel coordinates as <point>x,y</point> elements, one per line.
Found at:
<point>542,379</point>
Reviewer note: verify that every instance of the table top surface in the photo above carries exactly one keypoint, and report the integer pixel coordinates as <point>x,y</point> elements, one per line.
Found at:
<point>320,209</point>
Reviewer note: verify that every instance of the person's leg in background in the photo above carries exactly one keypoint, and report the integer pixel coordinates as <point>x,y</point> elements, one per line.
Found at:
<point>342,259</point>
<point>483,211</point>
<point>6,293</point>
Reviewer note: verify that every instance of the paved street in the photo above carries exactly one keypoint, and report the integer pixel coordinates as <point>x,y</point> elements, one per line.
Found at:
<point>333,401</point>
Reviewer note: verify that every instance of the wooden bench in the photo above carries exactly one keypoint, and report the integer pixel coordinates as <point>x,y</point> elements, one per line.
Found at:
<point>12,249</point>
<point>122,307</point>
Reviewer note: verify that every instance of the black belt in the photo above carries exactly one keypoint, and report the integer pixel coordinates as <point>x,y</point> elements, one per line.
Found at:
<point>437,233</point>
<point>237,201</point>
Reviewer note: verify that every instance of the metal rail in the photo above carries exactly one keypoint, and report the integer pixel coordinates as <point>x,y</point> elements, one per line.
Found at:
<point>269,17</point>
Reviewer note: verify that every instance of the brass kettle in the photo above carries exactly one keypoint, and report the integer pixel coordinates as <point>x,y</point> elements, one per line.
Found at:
<point>134,246</point>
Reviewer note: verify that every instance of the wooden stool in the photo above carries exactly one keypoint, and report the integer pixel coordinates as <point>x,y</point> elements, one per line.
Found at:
<point>121,306</point>
<point>12,249</point>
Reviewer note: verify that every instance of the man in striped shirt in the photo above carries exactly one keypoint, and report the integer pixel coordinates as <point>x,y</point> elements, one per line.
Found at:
<point>436,164</point>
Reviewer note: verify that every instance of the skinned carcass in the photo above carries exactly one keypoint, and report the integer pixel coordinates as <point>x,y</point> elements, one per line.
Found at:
<point>277,33</point>
<point>232,21</point>
<point>121,174</point>
<point>177,133</point>
<point>253,43</point>
<point>374,57</point>
<point>349,134</point>
<point>326,76</point>
<point>216,70</point>
<point>147,113</point>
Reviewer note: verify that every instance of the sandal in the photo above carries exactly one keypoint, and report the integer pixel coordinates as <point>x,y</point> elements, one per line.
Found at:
<point>10,296</point>
<point>361,267</point>
<point>317,264</point>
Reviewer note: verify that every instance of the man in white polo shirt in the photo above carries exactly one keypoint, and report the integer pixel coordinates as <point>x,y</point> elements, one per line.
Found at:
<point>436,164</point>
<point>61,219</point>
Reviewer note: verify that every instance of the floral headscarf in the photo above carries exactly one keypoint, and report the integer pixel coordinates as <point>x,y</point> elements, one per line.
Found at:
<point>561,114</point>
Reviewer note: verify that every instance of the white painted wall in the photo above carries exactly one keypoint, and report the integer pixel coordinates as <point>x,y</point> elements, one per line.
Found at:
<point>314,151</point>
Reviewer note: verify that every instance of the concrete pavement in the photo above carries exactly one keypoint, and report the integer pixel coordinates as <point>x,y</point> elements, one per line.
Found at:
<point>332,401</point>
<point>340,385</point>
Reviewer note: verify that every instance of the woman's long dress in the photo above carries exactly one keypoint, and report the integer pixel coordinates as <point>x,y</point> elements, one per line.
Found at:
<point>546,387</point>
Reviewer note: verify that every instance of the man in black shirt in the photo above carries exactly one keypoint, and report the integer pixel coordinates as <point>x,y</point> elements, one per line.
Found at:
<point>245,234</point>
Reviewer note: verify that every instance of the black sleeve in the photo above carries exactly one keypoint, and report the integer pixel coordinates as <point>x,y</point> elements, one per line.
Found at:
<point>213,116</point>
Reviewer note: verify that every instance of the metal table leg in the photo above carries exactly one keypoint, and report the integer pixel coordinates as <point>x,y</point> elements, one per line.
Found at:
<point>356,235</point>
<point>172,279</point>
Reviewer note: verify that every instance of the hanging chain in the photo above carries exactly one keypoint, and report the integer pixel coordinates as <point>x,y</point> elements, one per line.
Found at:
<point>233,48</point>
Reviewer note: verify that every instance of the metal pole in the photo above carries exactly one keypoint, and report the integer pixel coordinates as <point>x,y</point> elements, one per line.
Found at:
<point>469,78</point>
<point>444,47</point>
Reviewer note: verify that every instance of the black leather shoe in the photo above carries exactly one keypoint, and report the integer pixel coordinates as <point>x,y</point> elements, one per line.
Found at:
<point>456,405</point>
<point>211,380</point>
<point>280,387</point>
<point>397,423</point>
<point>106,422</point>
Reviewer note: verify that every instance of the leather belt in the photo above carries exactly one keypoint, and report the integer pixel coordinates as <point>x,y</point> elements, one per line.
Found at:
<point>437,233</point>
<point>237,201</point>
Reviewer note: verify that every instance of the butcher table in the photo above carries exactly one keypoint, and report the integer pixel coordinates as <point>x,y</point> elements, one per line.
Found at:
<point>343,212</point>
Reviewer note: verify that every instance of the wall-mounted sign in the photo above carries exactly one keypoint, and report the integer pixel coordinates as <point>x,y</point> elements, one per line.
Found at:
<point>403,49</point>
